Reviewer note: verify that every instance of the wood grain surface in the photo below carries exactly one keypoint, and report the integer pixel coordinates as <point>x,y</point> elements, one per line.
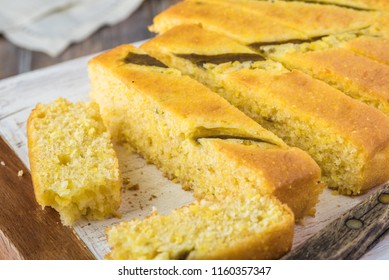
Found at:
<point>46,238</point>
<point>352,234</point>
<point>15,60</point>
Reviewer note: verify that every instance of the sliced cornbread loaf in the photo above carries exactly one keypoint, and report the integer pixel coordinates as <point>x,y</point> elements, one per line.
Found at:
<point>348,139</point>
<point>354,74</point>
<point>261,22</point>
<point>240,227</point>
<point>73,165</point>
<point>196,136</point>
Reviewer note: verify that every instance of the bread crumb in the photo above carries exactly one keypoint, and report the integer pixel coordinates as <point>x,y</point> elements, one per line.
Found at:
<point>134,187</point>
<point>335,192</point>
<point>20,173</point>
<point>2,163</point>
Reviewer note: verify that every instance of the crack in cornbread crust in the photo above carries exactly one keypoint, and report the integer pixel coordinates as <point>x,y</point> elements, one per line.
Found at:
<point>73,164</point>
<point>279,21</point>
<point>217,18</point>
<point>318,20</point>
<point>371,47</point>
<point>363,129</point>
<point>363,4</point>
<point>177,114</point>
<point>248,227</point>
<point>353,74</point>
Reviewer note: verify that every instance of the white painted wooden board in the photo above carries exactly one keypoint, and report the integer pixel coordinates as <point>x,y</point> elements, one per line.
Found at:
<point>19,95</point>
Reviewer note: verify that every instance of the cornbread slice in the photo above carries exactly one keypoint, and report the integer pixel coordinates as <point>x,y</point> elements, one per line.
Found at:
<point>354,74</point>
<point>260,23</point>
<point>73,164</point>
<point>348,139</point>
<point>318,20</point>
<point>238,228</point>
<point>356,4</point>
<point>195,136</point>
<point>245,27</point>
<point>371,47</point>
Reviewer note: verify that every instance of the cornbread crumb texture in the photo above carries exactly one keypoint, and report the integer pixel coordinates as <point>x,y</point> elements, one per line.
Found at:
<point>73,165</point>
<point>206,135</point>
<point>249,227</point>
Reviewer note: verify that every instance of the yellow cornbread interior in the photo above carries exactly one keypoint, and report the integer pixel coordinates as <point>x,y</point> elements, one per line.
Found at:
<point>73,164</point>
<point>180,149</point>
<point>242,225</point>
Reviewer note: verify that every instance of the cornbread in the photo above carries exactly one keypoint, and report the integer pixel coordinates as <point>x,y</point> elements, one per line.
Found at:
<point>318,19</point>
<point>249,227</point>
<point>354,74</point>
<point>356,4</point>
<point>255,23</point>
<point>371,47</point>
<point>195,136</point>
<point>73,165</point>
<point>348,139</point>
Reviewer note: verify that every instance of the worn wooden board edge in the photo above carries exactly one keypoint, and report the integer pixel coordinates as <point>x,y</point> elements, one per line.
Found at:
<point>26,230</point>
<point>352,234</point>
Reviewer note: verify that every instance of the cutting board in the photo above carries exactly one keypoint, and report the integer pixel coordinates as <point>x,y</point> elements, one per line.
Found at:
<point>27,231</point>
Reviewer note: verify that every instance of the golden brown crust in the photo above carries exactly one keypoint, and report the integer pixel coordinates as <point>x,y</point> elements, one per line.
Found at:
<point>206,108</point>
<point>371,47</point>
<point>194,39</point>
<point>291,173</point>
<point>246,27</point>
<point>356,121</point>
<point>318,19</point>
<point>345,67</point>
<point>261,21</point>
<point>364,4</point>
<point>31,143</point>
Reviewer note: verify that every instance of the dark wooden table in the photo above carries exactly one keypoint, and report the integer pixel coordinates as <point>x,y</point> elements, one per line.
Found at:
<point>15,60</point>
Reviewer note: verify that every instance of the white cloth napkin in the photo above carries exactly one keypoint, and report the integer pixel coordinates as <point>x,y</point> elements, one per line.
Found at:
<point>50,26</point>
